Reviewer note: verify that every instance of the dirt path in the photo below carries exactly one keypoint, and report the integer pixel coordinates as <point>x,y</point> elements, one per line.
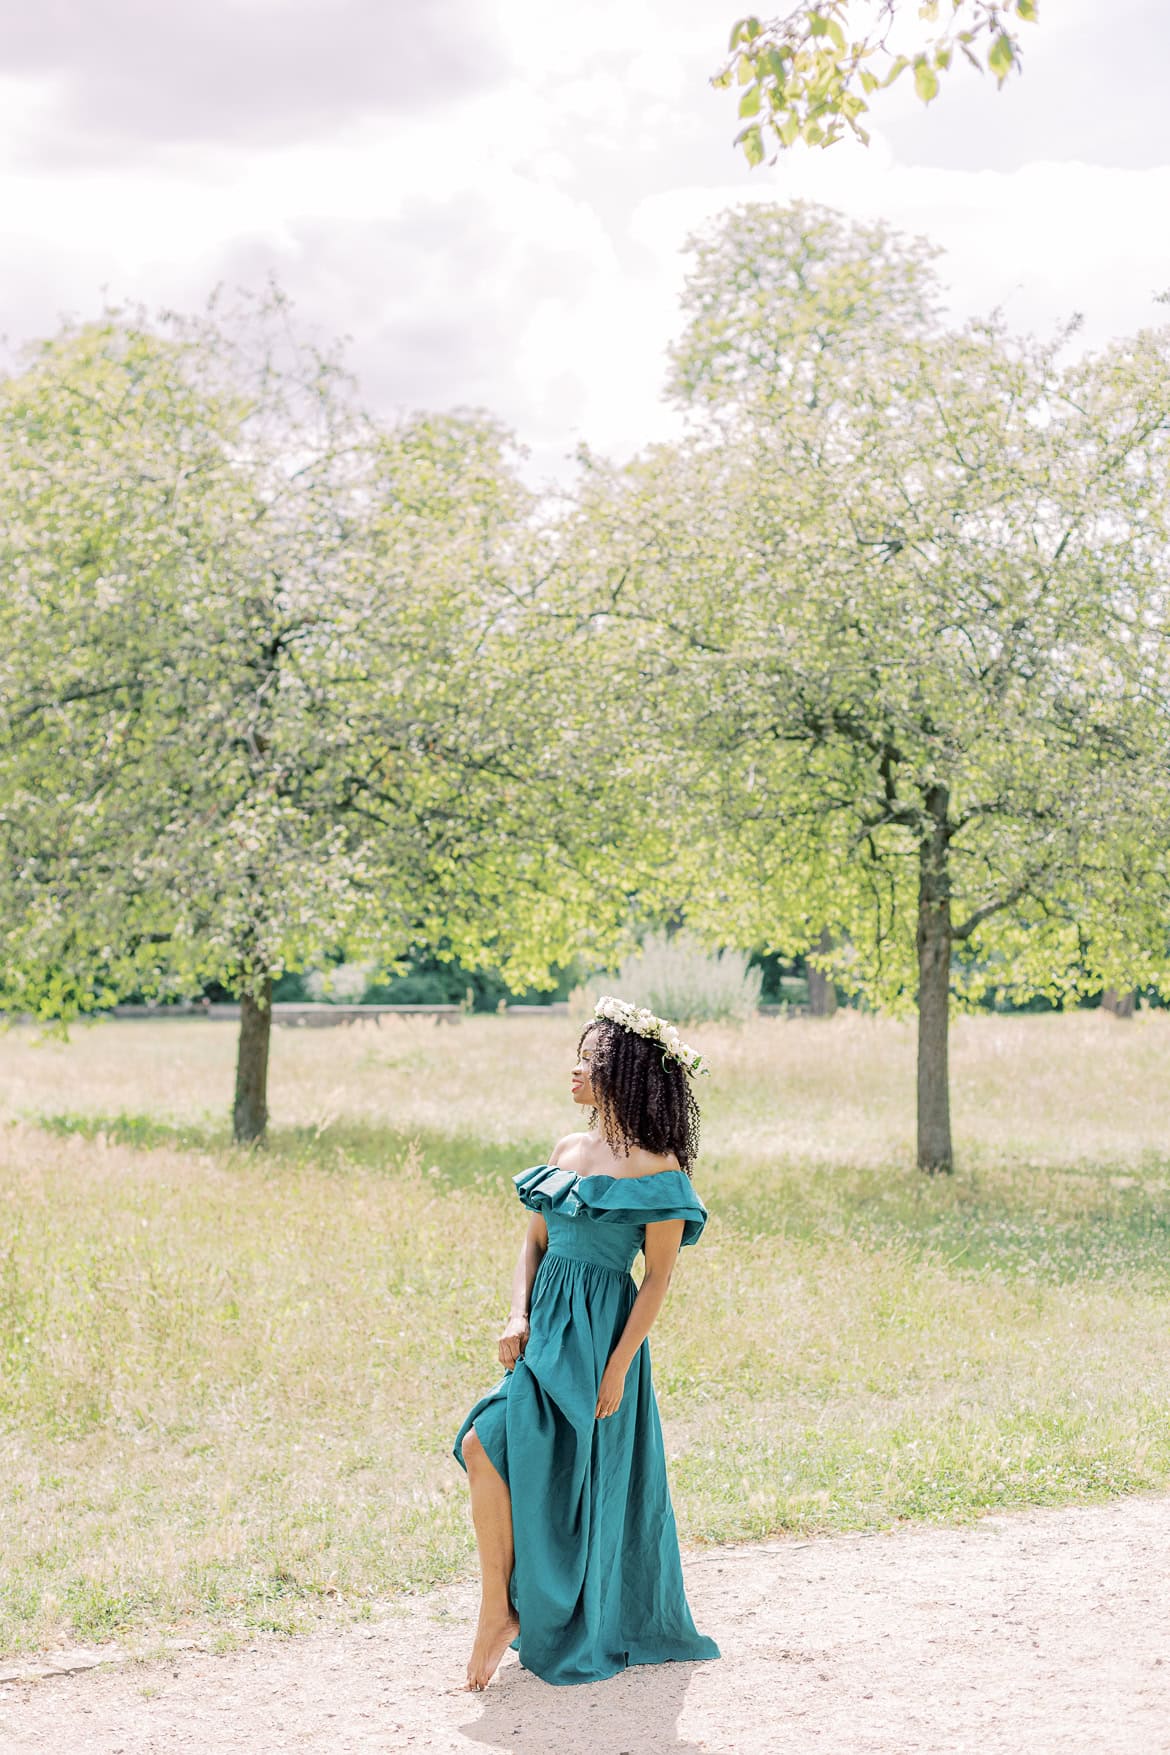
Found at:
<point>1036,1632</point>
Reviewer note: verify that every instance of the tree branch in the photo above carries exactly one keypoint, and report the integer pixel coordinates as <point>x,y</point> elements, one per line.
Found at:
<point>987,909</point>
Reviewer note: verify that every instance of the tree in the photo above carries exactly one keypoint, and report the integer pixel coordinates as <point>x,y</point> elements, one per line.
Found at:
<point>245,650</point>
<point>802,78</point>
<point>822,991</point>
<point>174,527</point>
<point>908,649</point>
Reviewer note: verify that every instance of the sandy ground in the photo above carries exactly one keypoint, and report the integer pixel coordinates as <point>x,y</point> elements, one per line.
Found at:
<point>1041,1631</point>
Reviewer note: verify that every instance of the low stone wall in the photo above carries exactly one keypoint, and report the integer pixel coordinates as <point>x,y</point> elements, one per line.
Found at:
<point>310,1015</point>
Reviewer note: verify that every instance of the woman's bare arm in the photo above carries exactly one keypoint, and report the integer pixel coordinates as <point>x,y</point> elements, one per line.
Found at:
<point>531,1251</point>
<point>663,1240</point>
<point>515,1335</point>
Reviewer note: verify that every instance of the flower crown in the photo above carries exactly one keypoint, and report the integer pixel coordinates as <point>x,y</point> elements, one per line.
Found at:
<point>643,1023</point>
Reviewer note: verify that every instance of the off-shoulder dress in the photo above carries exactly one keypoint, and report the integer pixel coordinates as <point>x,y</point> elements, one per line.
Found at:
<point>597,1581</point>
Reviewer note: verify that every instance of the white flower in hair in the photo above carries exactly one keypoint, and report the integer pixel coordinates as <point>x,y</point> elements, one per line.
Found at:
<point>643,1022</point>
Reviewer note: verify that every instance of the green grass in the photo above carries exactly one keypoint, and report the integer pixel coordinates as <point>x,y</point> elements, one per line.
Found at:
<point>229,1380</point>
<point>459,1159</point>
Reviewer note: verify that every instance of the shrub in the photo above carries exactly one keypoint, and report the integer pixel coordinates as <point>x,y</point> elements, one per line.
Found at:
<point>344,984</point>
<point>681,980</point>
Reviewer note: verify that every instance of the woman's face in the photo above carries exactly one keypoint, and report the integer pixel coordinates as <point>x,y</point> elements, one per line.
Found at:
<point>582,1075</point>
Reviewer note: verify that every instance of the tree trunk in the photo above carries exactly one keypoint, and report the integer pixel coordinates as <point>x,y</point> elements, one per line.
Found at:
<point>1122,1005</point>
<point>250,1114</point>
<point>934,989</point>
<point>822,990</point>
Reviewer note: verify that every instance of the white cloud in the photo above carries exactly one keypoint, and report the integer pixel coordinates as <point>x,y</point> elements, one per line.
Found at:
<point>1042,241</point>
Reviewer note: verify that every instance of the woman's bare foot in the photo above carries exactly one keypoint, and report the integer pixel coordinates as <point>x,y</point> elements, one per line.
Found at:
<point>493,1636</point>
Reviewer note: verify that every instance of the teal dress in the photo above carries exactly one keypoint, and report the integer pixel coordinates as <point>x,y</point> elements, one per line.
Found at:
<point>597,1581</point>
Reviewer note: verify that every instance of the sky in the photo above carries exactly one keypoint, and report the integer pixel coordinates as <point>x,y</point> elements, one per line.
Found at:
<point>491,198</point>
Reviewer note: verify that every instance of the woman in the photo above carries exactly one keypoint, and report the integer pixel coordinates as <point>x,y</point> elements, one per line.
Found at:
<point>577,1542</point>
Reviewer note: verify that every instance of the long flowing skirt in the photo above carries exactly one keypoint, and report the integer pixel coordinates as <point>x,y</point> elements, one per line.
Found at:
<point>598,1580</point>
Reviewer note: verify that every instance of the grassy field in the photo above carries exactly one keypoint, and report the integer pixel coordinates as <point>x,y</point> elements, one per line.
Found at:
<point>229,1382</point>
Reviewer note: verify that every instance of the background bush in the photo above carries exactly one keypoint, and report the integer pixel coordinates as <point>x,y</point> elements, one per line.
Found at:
<point>678,978</point>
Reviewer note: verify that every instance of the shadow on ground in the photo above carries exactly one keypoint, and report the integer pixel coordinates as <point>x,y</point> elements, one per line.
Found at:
<point>624,1716</point>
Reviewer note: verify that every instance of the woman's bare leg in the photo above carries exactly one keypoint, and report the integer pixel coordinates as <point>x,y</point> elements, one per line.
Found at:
<point>491,1512</point>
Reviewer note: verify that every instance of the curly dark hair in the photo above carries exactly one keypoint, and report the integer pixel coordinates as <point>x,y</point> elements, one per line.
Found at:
<point>644,1096</point>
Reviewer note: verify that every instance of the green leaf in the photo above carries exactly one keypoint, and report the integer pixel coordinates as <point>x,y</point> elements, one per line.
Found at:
<point>869,81</point>
<point>1027,10</point>
<point>749,103</point>
<point>925,80</point>
<point>743,30</point>
<point>789,128</point>
<point>1001,57</point>
<point>837,34</point>
<point>745,71</point>
<point>753,146</point>
<point>818,25</point>
<point>774,62</point>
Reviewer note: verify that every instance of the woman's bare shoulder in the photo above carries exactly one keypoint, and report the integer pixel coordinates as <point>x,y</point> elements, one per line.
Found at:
<point>646,1163</point>
<point>568,1144</point>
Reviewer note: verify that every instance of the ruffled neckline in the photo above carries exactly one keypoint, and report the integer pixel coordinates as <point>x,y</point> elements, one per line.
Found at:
<point>602,1176</point>
<point>629,1200</point>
